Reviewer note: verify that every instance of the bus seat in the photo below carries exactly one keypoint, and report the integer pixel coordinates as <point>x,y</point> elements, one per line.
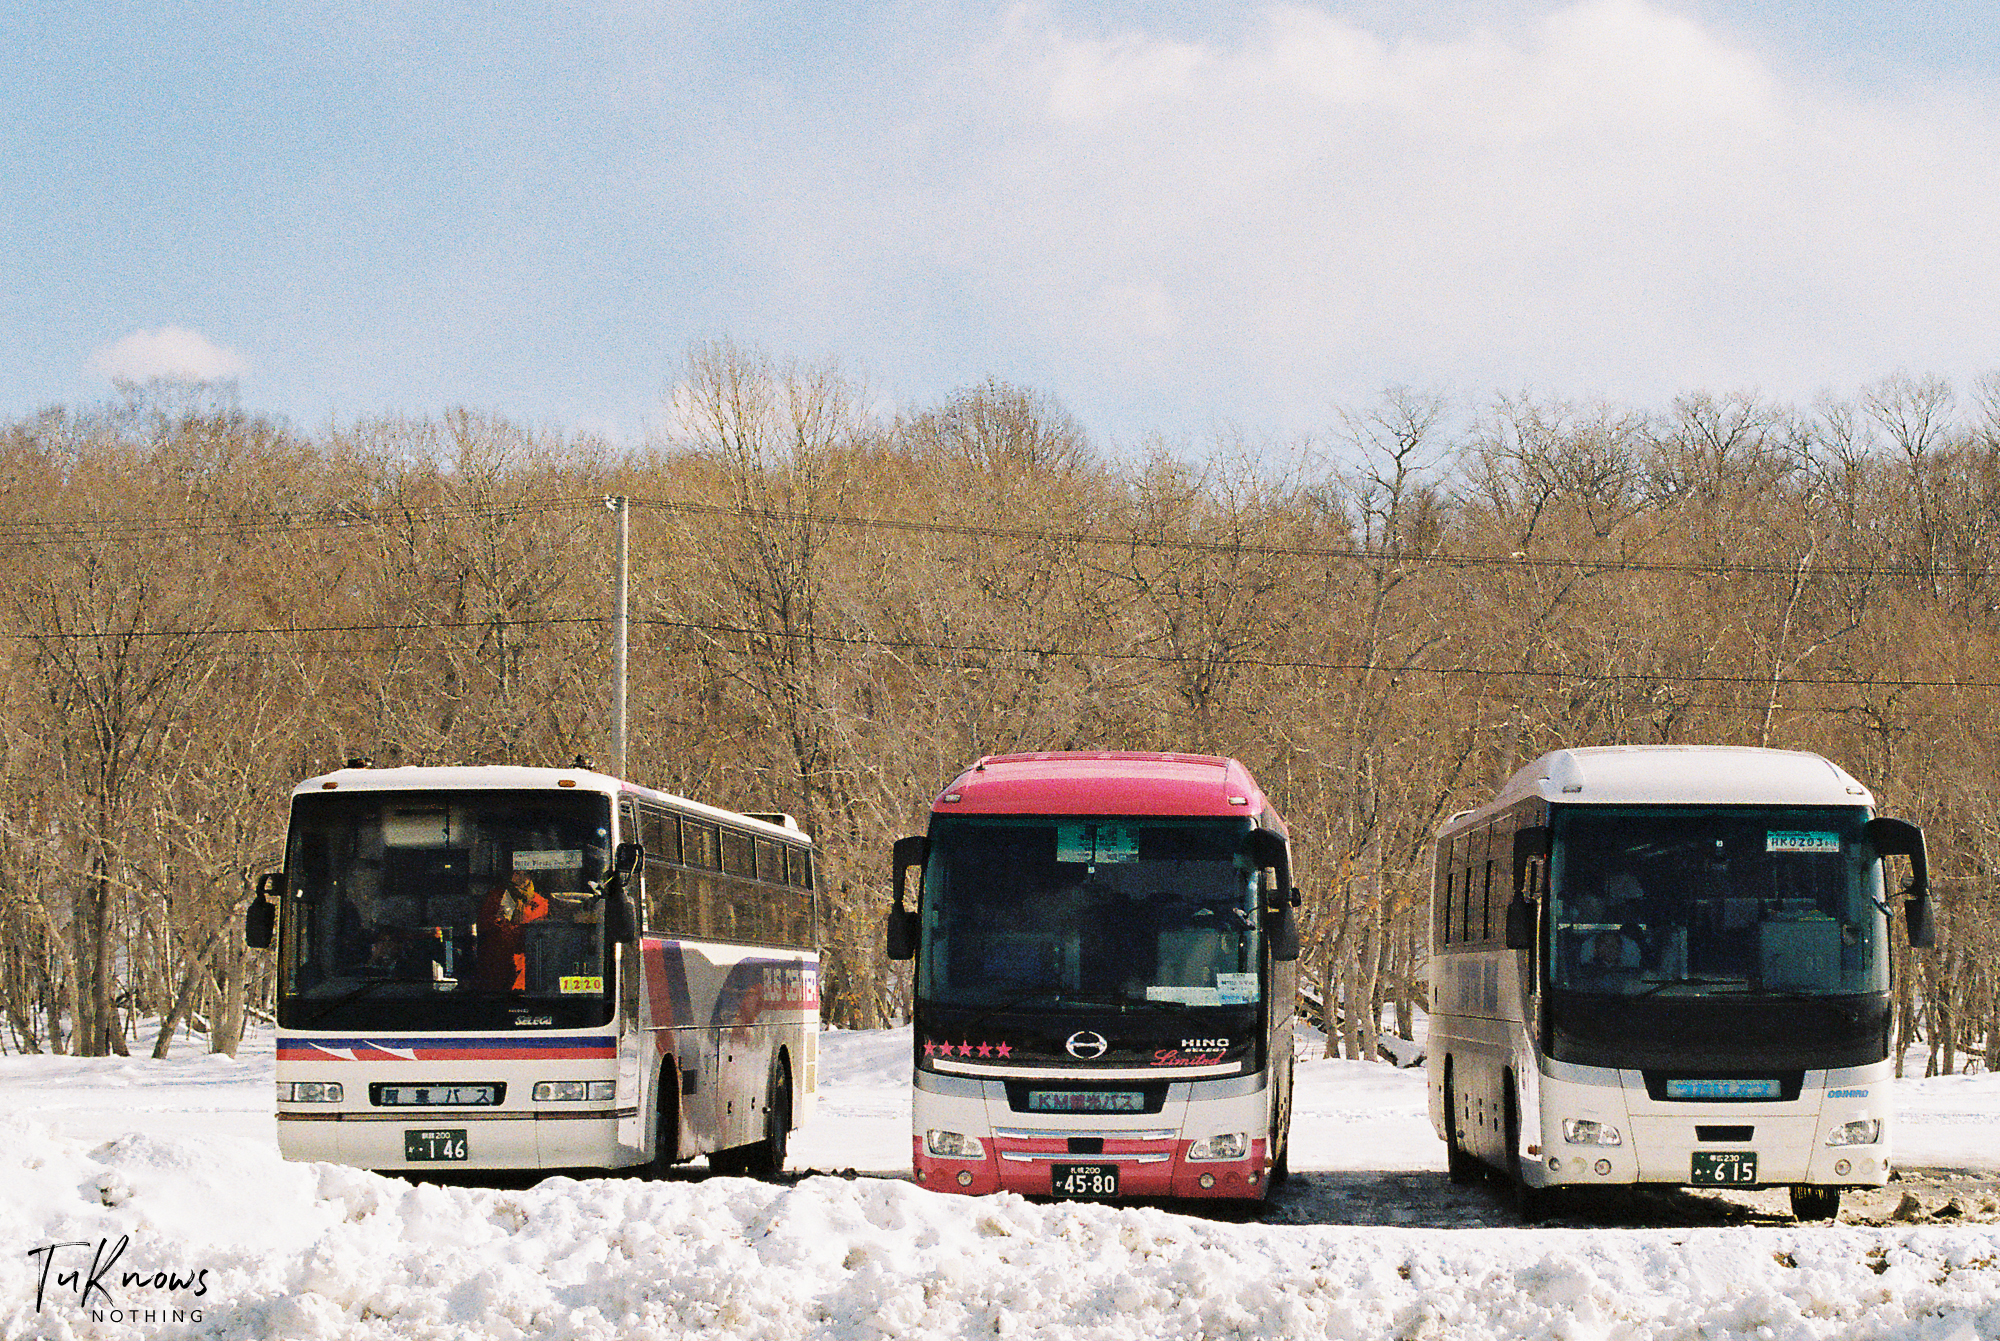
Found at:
<point>1191,957</point>
<point>1029,961</point>
<point>558,950</point>
<point>1798,953</point>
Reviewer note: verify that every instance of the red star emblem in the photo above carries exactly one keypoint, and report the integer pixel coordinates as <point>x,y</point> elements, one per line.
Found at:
<point>965,1049</point>
<point>930,1048</point>
<point>985,1049</point>
<point>1003,1049</point>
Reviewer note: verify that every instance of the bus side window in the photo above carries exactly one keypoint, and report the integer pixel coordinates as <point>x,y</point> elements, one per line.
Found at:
<point>1486,903</point>
<point>1450,886</point>
<point>699,846</point>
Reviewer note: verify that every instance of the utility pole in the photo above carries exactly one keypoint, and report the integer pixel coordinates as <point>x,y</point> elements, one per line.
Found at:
<point>620,508</point>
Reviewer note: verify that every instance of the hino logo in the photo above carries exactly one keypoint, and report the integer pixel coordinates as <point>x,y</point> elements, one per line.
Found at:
<point>1205,1044</point>
<point>1086,1046</point>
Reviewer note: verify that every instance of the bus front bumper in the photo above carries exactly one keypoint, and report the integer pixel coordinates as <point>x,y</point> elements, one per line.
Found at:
<point>443,1141</point>
<point>1144,1168</point>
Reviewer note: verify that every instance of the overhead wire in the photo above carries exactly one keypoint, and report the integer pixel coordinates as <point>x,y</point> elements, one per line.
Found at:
<point>30,532</point>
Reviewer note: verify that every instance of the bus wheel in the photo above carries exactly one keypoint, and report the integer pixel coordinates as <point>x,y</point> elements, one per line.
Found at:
<point>666,1123</point>
<point>1816,1203</point>
<point>1459,1165</point>
<point>1530,1203</point>
<point>767,1157</point>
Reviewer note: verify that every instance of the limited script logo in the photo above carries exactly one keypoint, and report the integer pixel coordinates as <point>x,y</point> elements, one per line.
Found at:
<point>90,1275</point>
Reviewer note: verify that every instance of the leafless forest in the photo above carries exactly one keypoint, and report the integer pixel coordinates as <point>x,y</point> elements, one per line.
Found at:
<point>834,610</point>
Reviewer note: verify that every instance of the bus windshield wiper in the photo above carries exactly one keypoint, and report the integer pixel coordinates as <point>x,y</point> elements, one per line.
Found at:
<point>1054,997</point>
<point>1692,982</point>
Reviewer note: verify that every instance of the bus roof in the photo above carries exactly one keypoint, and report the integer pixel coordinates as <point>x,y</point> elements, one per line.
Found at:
<point>1105,782</point>
<point>509,777</point>
<point>1719,775</point>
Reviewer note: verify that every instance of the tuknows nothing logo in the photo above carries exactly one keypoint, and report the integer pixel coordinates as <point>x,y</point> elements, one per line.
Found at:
<point>91,1272</point>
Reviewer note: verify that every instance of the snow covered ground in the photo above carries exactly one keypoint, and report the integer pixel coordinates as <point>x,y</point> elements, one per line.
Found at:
<point>175,1161</point>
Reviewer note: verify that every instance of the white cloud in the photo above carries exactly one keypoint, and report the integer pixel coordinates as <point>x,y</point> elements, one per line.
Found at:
<point>170,352</point>
<point>1611,198</point>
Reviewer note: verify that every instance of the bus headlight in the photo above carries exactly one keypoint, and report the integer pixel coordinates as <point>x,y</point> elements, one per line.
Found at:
<point>953,1145</point>
<point>1865,1131</point>
<point>311,1092</point>
<point>1589,1131</point>
<point>1232,1145</point>
<point>574,1091</point>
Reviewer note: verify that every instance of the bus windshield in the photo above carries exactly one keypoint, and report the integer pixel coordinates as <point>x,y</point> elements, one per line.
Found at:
<point>1021,912</point>
<point>1717,900</point>
<point>443,900</point>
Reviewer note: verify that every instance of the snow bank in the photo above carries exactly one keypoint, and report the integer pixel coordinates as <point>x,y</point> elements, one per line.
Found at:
<point>222,1239</point>
<point>262,1248</point>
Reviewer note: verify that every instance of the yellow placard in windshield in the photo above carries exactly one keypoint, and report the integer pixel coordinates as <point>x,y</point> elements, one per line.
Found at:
<point>572,986</point>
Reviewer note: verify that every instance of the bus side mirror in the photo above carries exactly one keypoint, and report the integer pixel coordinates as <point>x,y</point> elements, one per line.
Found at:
<point>1900,838</point>
<point>618,923</point>
<point>1923,928</point>
<point>625,860</point>
<point>1281,930</point>
<point>900,928</point>
<point>1520,924</point>
<point>1530,844</point>
<point>1267,849</point>
<point>260,919</point>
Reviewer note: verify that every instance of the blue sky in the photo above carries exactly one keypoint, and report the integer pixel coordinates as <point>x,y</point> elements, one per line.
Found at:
<point>1175,217</point>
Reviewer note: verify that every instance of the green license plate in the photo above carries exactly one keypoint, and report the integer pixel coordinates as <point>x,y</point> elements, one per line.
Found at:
<point>1084,1180</point>
<point>1724,1168</point>
<point>432,1144</point>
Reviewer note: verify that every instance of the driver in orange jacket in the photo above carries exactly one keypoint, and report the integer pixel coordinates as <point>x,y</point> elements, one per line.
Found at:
<point>503,956</point>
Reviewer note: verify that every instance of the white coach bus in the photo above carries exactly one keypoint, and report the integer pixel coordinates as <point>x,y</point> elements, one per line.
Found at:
<point>529,968</point>
<point>1669,965</point>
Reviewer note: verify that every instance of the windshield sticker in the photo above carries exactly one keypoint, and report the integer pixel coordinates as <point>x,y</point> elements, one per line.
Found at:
<point>1781,840</point>
<point>1096,843</point>
<point>561,859</point>
<point>416,828</point>
<point>1236,989</point>
<point>587,985</point>
<point>1187,996</point>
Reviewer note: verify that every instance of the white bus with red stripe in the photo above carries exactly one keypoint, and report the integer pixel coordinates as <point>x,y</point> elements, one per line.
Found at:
<point>1106,970</point>
<point>525,968</point>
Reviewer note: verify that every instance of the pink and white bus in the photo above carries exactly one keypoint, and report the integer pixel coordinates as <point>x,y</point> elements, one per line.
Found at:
<point>529,968</point>
<point>1105,976</point>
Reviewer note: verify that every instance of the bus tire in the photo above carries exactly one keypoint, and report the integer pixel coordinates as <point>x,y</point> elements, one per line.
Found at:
<point>1815,1203</point>
<point>1530,1203</point>
<point>1459,1165</point>
<point>765,1158</point>
<point>666,1123</point>
<point>1281,1145</point>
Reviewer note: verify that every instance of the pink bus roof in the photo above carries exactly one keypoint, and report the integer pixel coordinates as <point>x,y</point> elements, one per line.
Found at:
<point>1104,782</point>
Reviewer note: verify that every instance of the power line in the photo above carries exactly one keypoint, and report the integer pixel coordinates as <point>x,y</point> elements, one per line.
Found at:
<point>27,534</point>
<point>1029,650</point>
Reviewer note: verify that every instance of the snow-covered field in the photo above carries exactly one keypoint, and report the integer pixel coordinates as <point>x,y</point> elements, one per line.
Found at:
<point>170,1168</point>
